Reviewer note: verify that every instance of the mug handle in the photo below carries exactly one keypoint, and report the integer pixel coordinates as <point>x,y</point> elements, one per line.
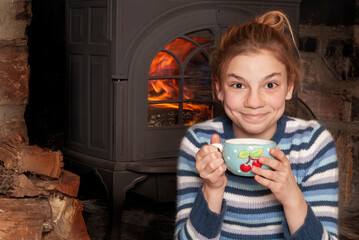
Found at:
<point>218,145</point>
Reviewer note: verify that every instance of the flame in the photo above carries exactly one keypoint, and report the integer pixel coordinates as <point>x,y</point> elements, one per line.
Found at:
<point>168,89</point>
<point>163,65</point>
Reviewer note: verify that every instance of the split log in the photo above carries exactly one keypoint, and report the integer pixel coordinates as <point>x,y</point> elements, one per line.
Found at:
<point>67,218</point>
<point>21,185</point>
<point>68,184</point>
<point>18,185</point>
<point>25,218</point>
<point>23,158</point>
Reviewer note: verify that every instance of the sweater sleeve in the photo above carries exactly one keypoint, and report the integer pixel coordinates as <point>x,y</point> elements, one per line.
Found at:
<point>194,218</point>
<point>319,186</point>
<point>311,229</point>
<point>203,221</point>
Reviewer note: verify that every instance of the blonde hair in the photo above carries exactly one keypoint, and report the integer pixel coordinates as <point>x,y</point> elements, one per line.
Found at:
<point>270,32</point>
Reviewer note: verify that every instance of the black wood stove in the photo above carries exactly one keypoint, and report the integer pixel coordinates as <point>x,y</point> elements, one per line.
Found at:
<point>138,76</point>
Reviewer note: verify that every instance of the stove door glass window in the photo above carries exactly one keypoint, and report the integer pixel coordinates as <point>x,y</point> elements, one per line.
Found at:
<point>179,85</point>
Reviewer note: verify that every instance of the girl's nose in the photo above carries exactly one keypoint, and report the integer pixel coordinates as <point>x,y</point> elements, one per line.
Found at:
<point>254,99</point>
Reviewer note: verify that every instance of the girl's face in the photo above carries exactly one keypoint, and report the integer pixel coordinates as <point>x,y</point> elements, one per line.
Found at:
<point>253,91</point>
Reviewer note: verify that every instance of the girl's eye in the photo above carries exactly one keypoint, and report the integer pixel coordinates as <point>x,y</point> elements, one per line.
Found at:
<point>271,85</point>
<point>238,85</point>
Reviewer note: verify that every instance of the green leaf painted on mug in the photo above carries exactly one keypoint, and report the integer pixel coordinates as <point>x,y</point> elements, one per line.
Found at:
<point>244,154</point>
<point>256,153</point>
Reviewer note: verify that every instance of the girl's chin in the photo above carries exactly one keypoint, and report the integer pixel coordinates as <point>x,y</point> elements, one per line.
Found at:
<point>251,129</point>
<point>254,130</point>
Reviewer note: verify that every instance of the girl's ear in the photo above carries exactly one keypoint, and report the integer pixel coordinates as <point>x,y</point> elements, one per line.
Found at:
<point>218,89</point>
<point>290,89</point>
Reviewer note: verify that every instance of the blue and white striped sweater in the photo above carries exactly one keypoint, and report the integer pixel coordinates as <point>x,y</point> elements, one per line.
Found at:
<point>250,210</point>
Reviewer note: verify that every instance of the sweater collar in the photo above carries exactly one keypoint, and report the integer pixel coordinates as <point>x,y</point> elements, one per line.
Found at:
<point>279,133</point>
<point>281,123</point>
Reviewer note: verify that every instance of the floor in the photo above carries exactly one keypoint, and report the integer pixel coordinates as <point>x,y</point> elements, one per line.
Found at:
<point>142,218</point>
<point>145,219</point>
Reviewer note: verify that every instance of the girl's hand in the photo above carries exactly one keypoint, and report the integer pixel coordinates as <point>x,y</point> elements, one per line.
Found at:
<point>211,168</point>
<point>280,180</point>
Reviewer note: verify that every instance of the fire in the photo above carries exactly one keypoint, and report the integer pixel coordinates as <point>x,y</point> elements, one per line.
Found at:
<point>168,89</point>
<point>163,65</point>
<point>202,112</point>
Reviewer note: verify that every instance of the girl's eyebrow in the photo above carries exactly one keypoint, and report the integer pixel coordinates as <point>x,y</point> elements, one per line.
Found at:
<point>235,76</point>
<point>265,78</point>
<point>273,75</point>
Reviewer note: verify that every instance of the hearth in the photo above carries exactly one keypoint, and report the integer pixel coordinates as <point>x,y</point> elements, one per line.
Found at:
<point>138,76</point>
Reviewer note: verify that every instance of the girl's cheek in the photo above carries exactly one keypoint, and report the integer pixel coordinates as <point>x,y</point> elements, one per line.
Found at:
<point>278,104</point>
<point>277,101</point>
<point>233,102</point>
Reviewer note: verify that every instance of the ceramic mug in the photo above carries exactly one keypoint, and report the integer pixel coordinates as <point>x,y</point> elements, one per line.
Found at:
<point>240,154</point>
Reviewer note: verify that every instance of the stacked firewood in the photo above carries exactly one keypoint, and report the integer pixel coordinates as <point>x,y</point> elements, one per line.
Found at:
<point>37,196</point>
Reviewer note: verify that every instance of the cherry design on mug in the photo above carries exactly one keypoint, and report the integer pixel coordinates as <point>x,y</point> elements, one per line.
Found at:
<point>252,156</point>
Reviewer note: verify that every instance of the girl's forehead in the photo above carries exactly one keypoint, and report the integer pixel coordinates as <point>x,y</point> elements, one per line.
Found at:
<point>262,54</point>
<point>255,64</point>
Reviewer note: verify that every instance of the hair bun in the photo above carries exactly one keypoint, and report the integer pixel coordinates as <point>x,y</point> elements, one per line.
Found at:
<point>274,19</point>
<point>278,21</point>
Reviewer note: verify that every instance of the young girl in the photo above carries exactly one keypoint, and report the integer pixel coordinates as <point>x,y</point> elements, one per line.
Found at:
<point>255,69</point>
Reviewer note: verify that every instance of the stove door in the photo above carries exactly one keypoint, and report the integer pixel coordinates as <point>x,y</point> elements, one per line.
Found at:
<point>157,120</point>
<point>169,80</point>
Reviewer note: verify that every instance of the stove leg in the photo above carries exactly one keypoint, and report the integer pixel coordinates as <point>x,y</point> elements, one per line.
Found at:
<point>118,184</point>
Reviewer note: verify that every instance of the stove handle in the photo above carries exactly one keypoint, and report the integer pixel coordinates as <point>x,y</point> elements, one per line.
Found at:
<point>119,78</point>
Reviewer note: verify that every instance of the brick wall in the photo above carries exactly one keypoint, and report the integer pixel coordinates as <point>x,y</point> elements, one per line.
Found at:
<point>15,15</point>
<point>331,89</point>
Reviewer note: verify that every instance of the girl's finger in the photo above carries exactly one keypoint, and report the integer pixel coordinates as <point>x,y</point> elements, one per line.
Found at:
<point>206,165</point>
<point>278,154</point>
<point>214,163</point>
<point>213,176</point>
<point>266,173</point>
<point>206,149</point>
<point>263,181</point>
<point>220,170</point>
<point>270,162</point>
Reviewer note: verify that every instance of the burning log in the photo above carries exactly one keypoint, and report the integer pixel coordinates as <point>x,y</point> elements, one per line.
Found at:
<point>161,116</point>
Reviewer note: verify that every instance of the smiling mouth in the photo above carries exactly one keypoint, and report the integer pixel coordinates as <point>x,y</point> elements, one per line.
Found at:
<point>253,117</point>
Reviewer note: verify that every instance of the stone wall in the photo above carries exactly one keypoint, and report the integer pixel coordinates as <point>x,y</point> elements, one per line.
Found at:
<point>331,89</point>
<point>15,15</point>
